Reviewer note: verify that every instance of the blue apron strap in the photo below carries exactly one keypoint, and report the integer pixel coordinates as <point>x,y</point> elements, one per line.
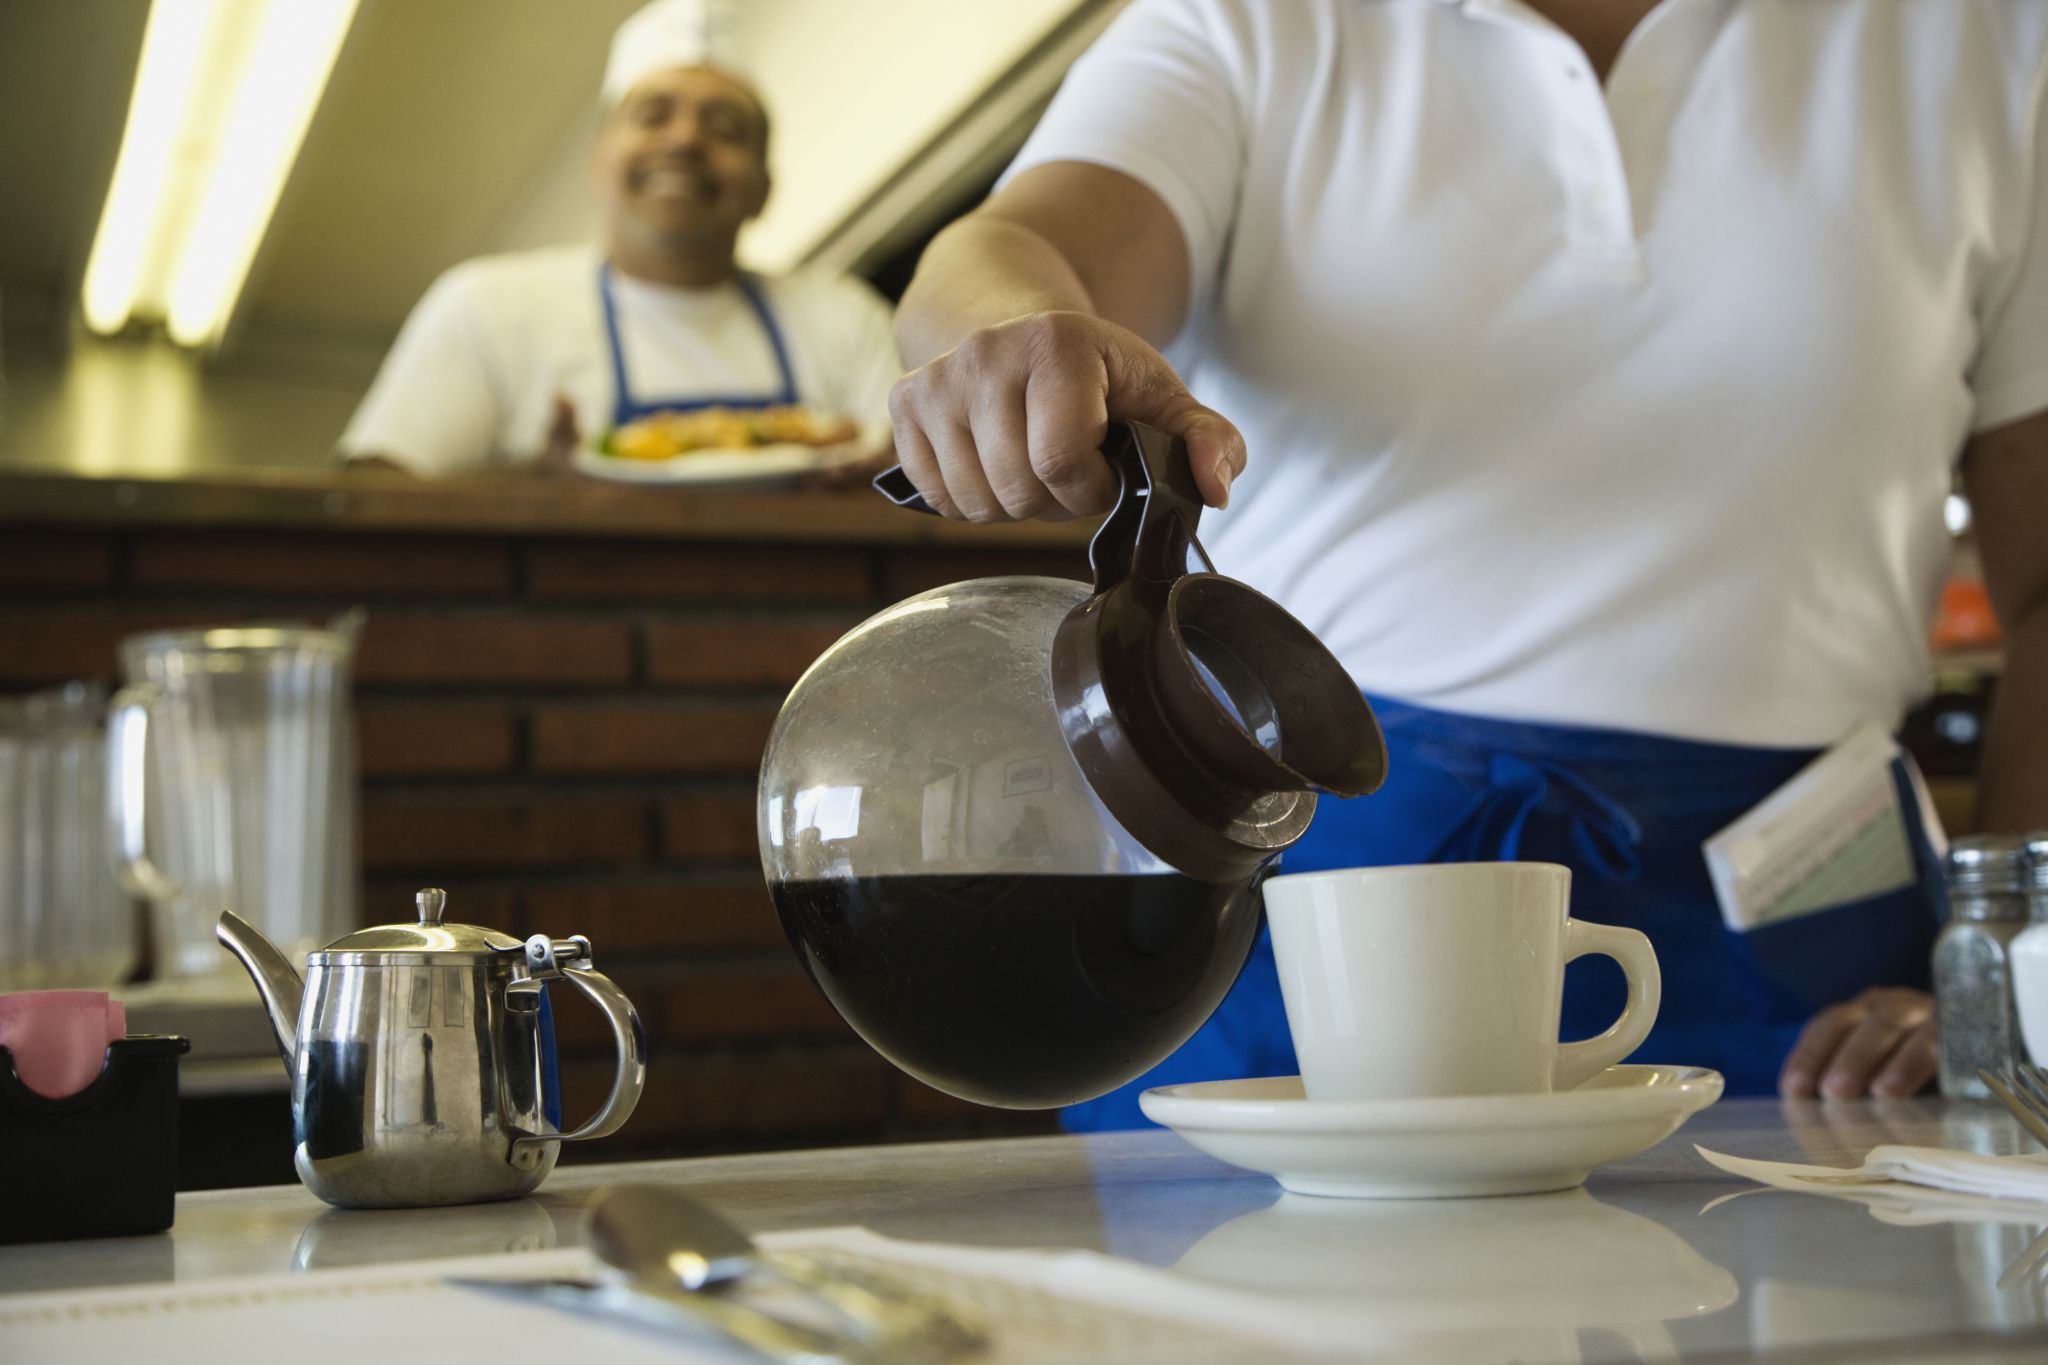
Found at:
<point>626,408</point>
<point>1491,826</point>
<point>786,395</point>
<point>622,393</point>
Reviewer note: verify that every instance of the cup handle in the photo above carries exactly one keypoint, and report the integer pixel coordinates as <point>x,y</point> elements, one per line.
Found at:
<point>631,1041</point>
<point>1579,1062</point>
<point>127,804</point>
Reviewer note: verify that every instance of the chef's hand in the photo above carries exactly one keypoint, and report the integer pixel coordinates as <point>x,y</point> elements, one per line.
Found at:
<point>1881,1043</point>
<point>558,456</point>
<point>1009,424</point>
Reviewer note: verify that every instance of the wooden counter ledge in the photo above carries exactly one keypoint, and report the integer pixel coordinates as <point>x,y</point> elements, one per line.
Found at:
<point>497,504</point>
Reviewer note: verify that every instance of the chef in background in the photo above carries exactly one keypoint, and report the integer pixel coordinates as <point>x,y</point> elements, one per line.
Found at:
<point>510,360</point>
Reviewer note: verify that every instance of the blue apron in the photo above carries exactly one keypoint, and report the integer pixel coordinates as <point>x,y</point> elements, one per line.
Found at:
<point>625,408</point>
<point>1627,813</point>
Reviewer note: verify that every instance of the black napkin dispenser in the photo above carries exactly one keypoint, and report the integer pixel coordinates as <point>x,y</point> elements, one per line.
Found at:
<point>100,1163</point>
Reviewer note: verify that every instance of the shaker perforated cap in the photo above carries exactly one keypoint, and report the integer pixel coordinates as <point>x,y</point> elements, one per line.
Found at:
<point>2036,851</point>
<point>1987,864</point>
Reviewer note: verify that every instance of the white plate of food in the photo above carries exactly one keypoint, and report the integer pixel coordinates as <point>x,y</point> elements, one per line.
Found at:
<point>724,447</point>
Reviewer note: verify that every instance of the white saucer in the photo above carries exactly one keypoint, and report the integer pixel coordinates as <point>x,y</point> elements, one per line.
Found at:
<point>1433,1148</point>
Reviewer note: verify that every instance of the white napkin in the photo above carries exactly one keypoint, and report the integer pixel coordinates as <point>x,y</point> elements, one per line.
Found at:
<point>1933,1181</point>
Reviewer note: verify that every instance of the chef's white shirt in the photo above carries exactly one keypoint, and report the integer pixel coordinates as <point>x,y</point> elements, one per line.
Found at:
<point>472,378</point>
<point>1630,407</point>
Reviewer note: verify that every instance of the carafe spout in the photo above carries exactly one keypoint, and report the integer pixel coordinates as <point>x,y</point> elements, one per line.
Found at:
<point>277,981</point>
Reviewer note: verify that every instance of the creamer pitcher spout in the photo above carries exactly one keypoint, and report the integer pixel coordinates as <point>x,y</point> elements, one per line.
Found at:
<point>276,979</point>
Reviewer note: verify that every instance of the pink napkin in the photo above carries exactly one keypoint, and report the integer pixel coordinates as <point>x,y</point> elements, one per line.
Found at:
<point>59,1038</point>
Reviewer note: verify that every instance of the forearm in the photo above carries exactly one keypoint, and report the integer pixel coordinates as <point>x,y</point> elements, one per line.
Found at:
<point>1031,324</point>
<point>2012,792</point>
<point>2005,473</point>
<point>979,272</point>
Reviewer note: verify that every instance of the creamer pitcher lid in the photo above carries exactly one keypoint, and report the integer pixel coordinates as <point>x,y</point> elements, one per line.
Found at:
<point>431,937</point>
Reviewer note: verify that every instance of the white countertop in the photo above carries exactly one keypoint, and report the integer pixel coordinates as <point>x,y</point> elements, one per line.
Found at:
<point>1642,1264</point>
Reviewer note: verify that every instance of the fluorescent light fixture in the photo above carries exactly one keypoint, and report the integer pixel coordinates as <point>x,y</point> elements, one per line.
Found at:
<point>280,88</point>
<point>223,96</point>
<point>131,225</point>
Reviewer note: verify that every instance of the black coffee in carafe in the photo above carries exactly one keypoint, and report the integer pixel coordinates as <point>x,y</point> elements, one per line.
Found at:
<point>1022,991</point>
<point>1015,827</point>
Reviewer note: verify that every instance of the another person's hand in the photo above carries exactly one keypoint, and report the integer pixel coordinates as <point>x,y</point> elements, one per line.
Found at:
<point>1880,1043</point>
<point>1009,424</point>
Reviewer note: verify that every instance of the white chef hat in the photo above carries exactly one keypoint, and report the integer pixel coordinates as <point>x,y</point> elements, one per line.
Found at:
<point>671,33</point>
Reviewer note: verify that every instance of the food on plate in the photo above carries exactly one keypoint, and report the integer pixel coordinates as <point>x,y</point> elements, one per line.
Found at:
<point>668,435</point>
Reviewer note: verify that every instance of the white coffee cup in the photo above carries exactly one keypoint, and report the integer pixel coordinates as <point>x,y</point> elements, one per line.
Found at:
<point>1446,979</point>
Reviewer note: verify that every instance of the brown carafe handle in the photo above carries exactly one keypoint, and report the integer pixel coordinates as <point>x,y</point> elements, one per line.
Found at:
<point>895,485</point>
<point>1149,532</point>
<point>1152,527</point>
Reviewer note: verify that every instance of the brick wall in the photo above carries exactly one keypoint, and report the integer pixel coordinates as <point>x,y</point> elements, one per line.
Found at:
<point>564,733</point>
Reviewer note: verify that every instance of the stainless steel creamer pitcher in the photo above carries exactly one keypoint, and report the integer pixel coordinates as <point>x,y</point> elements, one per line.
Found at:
<point>416,1053</point>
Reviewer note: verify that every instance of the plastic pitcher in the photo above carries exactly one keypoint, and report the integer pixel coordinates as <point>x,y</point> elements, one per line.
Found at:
<point>231,763</point>
<point>64,920</point>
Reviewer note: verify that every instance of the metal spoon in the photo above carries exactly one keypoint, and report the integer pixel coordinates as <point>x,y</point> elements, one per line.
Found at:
<point>659,1236</point>
<point>651,1232</point>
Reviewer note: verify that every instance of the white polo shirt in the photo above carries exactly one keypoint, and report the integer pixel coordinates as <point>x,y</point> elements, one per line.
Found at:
<point>472,378</point>
<point>1630,407</point>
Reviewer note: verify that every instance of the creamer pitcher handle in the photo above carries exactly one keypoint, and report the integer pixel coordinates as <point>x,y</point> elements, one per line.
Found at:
<point>127,799</point>
<point>631,1041</point>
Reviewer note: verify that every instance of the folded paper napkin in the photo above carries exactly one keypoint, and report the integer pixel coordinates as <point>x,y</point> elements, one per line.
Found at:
<point>1905,1172</point>
<point>59,1038</point>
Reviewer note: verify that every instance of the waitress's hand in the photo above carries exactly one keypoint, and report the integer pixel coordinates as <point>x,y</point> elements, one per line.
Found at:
<point>1881,1043</point>
<point>1009,424</point>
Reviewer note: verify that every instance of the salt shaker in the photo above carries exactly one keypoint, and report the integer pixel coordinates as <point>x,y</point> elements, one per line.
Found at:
<point>2030,952</point>
<point>1974,962</point>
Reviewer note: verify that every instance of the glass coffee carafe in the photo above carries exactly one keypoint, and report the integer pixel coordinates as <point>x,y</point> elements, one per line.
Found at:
<point>1015,827</point>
